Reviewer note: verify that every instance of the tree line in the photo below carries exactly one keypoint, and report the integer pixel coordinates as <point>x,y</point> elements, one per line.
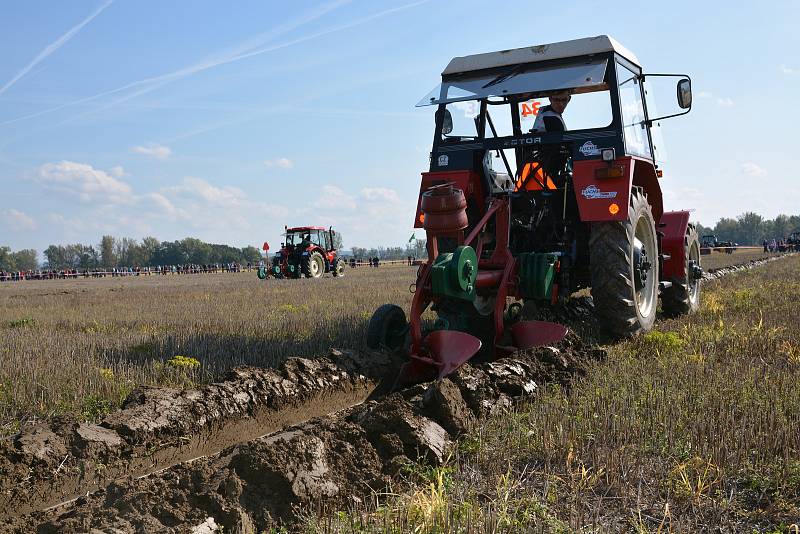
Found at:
<point>747,229</point>
<point>21,260</point>
<point>415,248</point>
<point>113,252</point>
<point>752,229</point>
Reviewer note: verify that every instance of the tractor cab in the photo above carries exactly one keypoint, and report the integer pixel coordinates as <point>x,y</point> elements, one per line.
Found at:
<point>546,119</point>
<point>708,241</point>
<point>308,251</point>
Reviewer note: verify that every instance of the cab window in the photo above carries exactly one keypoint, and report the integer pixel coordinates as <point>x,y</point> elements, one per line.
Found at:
<point>637,141</point>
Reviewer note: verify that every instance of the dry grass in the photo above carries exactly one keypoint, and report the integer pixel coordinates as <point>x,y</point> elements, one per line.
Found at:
<point>716,260</point>
<point>81,346</point>
<point>692,428</point>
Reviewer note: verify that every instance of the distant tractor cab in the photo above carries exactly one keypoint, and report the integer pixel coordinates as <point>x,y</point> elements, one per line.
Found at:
<point>710,243</point>
<point>308,251</point>
<point>521,202</point>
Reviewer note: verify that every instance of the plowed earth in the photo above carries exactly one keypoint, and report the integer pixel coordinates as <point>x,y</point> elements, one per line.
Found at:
<point>248,452</point>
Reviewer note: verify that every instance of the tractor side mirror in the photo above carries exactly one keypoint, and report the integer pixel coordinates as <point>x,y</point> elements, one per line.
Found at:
<point>685,93</point>
<point>447,122</point>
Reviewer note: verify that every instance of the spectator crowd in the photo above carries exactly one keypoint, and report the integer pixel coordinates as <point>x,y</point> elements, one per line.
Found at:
<point>63,274</point>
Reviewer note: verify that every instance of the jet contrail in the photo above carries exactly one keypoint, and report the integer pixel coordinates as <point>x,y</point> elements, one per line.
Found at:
<point>49,49</point>
<point>149,84</point>
<point>213,61</point>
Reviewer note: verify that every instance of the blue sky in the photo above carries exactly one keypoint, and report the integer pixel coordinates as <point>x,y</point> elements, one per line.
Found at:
<point>182,118</point>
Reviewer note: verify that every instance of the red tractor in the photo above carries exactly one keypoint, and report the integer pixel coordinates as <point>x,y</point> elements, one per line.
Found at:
<point>308,251</point>
<point>521,209</point>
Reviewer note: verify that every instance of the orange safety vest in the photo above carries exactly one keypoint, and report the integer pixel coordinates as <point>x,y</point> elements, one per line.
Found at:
<point>534,183</point>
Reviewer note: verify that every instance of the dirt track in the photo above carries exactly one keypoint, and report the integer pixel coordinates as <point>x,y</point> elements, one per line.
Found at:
<point>254,481</point>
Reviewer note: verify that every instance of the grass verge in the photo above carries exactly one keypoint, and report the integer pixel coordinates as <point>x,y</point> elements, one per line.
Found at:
<point>694,427</point>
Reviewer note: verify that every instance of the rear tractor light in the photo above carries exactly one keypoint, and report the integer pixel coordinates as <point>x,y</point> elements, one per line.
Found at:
<point>612,171</point>
<point>608,154</point>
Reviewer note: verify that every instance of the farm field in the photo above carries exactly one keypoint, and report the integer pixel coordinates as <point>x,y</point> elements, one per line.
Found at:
<point>690,428</point>
<point>80,346</point>
<point>717,260</point>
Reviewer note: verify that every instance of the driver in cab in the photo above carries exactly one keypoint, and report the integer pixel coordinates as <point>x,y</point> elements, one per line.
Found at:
<point>538,175</point>
<point>549,118</point>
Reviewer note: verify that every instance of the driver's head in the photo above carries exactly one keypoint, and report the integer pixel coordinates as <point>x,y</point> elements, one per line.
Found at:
<point>559,101</point>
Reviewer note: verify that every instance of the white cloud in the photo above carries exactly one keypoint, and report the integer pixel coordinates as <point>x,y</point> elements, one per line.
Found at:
<point>380,194</point>
<point>377,214</point>
<point>205,205</point>
<point>281,163</point>
<point>725,102</point>
<point>118,172</point>
<point>84,181</point>
<point>704,94</point>
<point>153,150</point>
<point>17,220</point>
<point>335,198</point>
<point>752,169</point>
<point>789,70</point>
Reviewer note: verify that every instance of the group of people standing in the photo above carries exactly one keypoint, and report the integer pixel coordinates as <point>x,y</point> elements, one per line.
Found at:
<point>63,274</point>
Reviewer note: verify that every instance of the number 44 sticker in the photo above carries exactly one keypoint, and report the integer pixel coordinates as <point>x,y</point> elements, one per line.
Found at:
<point>529,109</point>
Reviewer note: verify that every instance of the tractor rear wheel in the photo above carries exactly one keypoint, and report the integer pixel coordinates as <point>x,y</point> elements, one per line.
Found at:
<point>684,295</point>
<point>624,269</point>
<point>314,265</point>
<point>338,267</point>
<point>387,328</point>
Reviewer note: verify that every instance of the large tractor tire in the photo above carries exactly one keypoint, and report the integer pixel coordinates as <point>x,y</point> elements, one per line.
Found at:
<point>338,267</point>
<point>387,328</point>
<point>624,268</point>
<point>314,265</point>
<point>684,295</point>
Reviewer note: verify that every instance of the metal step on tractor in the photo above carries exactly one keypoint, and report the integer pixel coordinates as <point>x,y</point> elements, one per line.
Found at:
<point>307,251</point>
<point>519,209</point>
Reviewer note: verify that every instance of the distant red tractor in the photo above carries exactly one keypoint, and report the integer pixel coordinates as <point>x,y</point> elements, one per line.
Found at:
<point>308,251</point>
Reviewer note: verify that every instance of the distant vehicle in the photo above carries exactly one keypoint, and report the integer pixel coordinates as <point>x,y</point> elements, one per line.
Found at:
<point>709,243</point>
<point>309,251</point>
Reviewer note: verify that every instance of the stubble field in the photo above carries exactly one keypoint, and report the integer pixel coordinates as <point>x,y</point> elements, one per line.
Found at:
<point>80,346</point>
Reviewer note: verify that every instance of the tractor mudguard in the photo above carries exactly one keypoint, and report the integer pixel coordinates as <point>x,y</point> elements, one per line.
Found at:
<point>603,190</point>
<point>673,225</point>
<point>603,199</point>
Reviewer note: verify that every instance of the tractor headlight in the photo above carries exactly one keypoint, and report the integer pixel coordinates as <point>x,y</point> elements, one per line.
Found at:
<point>608,154</point>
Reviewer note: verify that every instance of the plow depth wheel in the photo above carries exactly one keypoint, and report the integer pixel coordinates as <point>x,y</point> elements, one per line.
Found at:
<point>387,328</point>
<point>314,265</point>
<point>624,267</point>
<point>684,295</point>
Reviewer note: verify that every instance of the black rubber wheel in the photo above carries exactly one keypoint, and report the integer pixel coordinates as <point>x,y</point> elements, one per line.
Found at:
<point>338,267</point>
<point>684,295</point>
<point>624,269</point>
<point>387,328</point>
<point>314,265</point>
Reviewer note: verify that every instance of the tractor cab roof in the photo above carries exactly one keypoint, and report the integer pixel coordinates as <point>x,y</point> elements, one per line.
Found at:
<point>533,54</point>
<point>305,228</point>
<point>541,70</point>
